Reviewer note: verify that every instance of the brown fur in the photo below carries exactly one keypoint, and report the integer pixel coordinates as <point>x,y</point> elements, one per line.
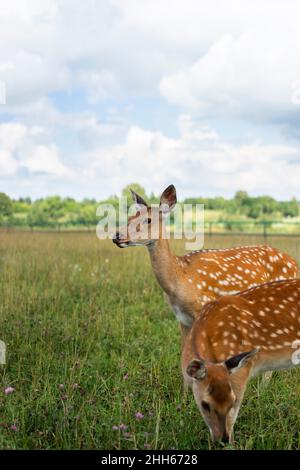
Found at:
<point>192,280</point>
<point>263,321</point>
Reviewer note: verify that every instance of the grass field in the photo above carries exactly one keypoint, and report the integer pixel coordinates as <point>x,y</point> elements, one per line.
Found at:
<point>93,354</point>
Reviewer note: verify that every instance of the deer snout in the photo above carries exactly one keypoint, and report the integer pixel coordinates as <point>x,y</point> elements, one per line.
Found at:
<point>225,438</point>
<point>222,436</point>
<point>119,240</point>
<point>116,238</point>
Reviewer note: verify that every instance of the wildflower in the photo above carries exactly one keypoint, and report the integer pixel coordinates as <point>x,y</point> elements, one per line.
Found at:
<point>61,386</point>
<point>14,428</point>
<point>75,386</point>
<point>106,260</point>
<point>147,446</point>
<point>9,390</point>
<point>125,376</point>
<point>123,427</point>
<point>64,397</point>
<point>139,416</point>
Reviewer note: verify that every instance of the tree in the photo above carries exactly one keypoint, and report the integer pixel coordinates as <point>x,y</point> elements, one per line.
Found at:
<point>290,208</point>
<point>38,217</point>
<point>240,195</point>
<point>254,211</point>
<point>6,206</point>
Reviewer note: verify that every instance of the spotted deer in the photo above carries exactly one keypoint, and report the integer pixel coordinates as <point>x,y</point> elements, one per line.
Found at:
<point>233,339</point>
<point>191,280</point>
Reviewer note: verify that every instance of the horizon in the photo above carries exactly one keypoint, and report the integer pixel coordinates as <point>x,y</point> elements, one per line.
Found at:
<point>148,196</point>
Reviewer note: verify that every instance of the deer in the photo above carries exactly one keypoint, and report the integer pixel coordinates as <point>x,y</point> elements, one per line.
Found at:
<point>235,338</point>
<point>191,280</point>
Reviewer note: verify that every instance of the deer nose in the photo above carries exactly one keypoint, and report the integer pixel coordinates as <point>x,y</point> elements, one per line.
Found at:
<point>225,438</point>
<point>116,237</point>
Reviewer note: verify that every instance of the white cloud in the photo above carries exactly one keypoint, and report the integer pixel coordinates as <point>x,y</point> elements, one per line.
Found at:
<point>46,160</point>
<point>198,161</point>
<point>99,85</point>
<point>8,164</point>
<point>248,76</point>
<point>40,42</point>
<point>82,129</point>
<point>189,130</point>
<point>12,135</point>
<point>19,149</point>
<point>218,58</point>
<point>212,166</point>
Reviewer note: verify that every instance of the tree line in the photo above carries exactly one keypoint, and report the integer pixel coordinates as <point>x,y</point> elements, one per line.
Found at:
<point>55,211</point>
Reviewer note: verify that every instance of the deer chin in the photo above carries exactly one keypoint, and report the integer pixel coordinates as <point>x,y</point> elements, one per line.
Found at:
<point>121,244</point>
<point>126,243</point>
<point>138,243</point>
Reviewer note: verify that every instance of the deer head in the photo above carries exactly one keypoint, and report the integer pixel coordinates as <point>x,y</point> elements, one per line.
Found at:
<point>147,224</point>
<point>218,390</point>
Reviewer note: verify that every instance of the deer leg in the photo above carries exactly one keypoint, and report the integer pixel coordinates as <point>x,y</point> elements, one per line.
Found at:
<point>184,331</point>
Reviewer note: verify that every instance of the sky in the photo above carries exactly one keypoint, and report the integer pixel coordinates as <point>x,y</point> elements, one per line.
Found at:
<point>102,93</point>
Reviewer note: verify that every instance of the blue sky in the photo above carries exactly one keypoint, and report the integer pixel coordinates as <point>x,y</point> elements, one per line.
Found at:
<point>204,95</point>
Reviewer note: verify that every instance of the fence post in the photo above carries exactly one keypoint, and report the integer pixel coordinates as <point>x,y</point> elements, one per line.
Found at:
<point>265,231</point>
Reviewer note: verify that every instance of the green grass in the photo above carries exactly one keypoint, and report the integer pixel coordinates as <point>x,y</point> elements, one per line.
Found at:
<point>75,310</point>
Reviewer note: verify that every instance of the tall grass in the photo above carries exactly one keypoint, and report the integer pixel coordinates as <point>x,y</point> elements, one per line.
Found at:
<point>91,343</point>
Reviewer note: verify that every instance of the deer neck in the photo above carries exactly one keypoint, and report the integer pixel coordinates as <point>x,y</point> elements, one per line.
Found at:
<point>164,265</point>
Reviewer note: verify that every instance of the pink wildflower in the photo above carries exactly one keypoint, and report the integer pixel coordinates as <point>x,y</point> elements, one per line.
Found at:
<point>123,427</point>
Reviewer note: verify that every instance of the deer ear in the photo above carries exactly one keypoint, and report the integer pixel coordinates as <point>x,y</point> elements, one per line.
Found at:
<point>168,199</point>
<point>236,362</point>
<point>197,369</point>
<point>138,200</point>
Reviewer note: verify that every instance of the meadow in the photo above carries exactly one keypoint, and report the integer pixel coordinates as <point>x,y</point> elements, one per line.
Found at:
<point>93,353</point>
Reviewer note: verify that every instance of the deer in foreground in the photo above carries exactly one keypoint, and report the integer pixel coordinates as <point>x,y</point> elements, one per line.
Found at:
<point>198,277</point>
<point>235,338</point>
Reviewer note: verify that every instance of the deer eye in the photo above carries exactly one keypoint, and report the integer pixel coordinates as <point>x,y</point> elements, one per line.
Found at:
<point>205,406</point>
